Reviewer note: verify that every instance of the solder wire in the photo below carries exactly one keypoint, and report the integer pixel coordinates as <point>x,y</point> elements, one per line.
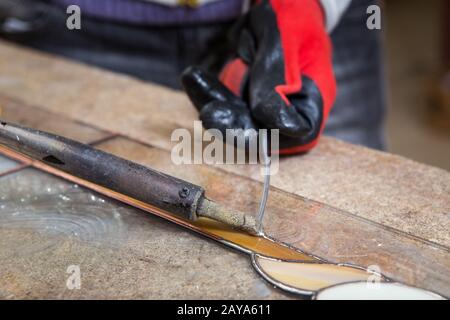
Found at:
<point>265,160</point>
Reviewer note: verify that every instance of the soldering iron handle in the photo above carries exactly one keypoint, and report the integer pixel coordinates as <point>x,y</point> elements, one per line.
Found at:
<point>139,182</point>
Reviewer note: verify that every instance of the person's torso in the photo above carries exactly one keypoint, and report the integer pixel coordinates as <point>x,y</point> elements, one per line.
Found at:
<point>159,12</point>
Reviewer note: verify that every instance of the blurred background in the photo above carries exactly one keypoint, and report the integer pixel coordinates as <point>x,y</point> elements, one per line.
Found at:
<point>417,54</point>
<point>417,39</point>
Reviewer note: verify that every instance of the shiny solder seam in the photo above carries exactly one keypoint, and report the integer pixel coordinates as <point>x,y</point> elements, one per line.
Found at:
<point>305,293</point>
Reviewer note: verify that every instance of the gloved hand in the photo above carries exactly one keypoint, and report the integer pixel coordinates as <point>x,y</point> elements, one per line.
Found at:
<point>277,74</point>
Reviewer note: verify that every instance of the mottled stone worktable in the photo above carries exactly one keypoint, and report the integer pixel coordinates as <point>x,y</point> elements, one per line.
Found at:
<point>342,202</point>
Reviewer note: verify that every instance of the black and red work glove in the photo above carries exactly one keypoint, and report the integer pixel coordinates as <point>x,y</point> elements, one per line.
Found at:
<point>277,74</point>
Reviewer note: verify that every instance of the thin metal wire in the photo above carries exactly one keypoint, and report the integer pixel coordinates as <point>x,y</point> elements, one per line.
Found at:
<point>265,164</point>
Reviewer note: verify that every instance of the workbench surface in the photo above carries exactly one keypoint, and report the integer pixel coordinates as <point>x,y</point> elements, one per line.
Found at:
<point>341,202</point>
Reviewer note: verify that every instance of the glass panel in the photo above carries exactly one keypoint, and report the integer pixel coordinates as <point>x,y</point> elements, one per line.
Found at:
<point>308,277</point>
<point>7,164</point>
<point>378,291</point>
<point>48,225</point>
